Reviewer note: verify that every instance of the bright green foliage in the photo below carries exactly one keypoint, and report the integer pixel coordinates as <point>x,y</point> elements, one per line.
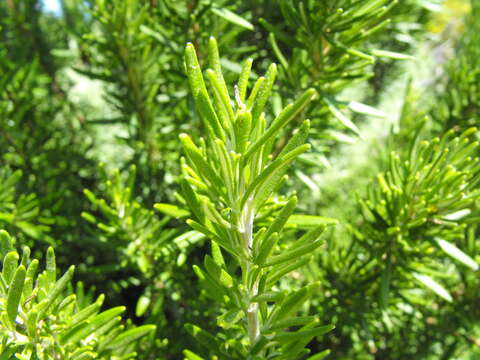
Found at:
<point>458,105</point>
<point>135,236</point>
<point>133,47</point>
<point>332,32</point>
<point>335,47</point>
<point>420,207</point>
<point>411,257</point>
<point>230,186</point>
<point>40,132</point>
<point>326,47</point>
<point>40,320</point>
<point>130,62</point>
<point>128,228</point>
<point>138,242</point>
<point>19,212</point>
<point>104,81</point>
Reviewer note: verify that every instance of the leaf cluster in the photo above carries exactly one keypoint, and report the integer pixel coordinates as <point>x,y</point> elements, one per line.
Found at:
<point>229,184</point>
<point>41,320</point>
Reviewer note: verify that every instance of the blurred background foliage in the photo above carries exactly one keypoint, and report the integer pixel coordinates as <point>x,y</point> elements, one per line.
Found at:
<point>94,95</point>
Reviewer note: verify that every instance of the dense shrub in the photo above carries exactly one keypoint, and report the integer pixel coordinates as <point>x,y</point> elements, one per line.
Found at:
<point>321,207</point>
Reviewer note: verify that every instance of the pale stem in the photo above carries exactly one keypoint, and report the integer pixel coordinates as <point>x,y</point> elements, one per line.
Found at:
<point>247,234</point>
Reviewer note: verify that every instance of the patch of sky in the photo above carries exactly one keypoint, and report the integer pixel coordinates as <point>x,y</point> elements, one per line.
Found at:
<point>52,6</point>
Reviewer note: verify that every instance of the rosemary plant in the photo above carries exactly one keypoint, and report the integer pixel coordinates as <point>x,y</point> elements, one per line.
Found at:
<point>421,207</point>
<point>230,186</point>
<point>41,320</point>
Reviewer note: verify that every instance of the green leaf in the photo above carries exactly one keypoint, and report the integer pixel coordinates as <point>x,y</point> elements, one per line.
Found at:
<point>287,115</point>
<point>83,329</point>
<point>264,92</point>
<point>10,264</point>
<point>75,333</point>
<point>434,286</point>
<point>131,335</point>
<point>200,94</point>
<point>340,116</point>
<point>310,333</point>
<point>191,199</point>
<point>57,289</point>
<point>217,273</point>
<point>293,321</point>
<point>221,241</point>
<point>30,278</point>
<point>25,256</point>
<point>230,318</point>
<point>88,311</point>
<point>204,337</point>
<point>266,248</point>
<point>197,159</point>
<point>457,254</point>
<point>51,266</point>
<point>8,353</point>
<point>243,127</point>
<point>109,327</point>
<point>282,218</point>
<point>275,275</point>
<point>385,285</point>
<point>65,303</point>
<point>391,55</point>
<point>365,109</point>
<point>213,287</point>
<point>106,316</point>
<point>270,296</point>
<point>214,60</point>
<point>289,255</point>
<point>80,355</point>
<point>89,217</point>
<point>243,79</point>
<point>254,92</point>
<point>113,330</point>
<point>321,355</point>
<point>277,51</point>
<point>278,165</point>
<point>191,356</point>
<point>90,196</point>
<point>15,293</point>
<point>233,18</point>
<point>171,210</point>
<point>221,100</point>
<point>309,221</point>
<point>5,243</point>
<point>30,229</point>
<point>298,138</point>
<point>142,305</point>
<point>217,254</point>
<point>155,34</point>
<point>309,237</point>
<point>32,318</point>
<point>289,305</point>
